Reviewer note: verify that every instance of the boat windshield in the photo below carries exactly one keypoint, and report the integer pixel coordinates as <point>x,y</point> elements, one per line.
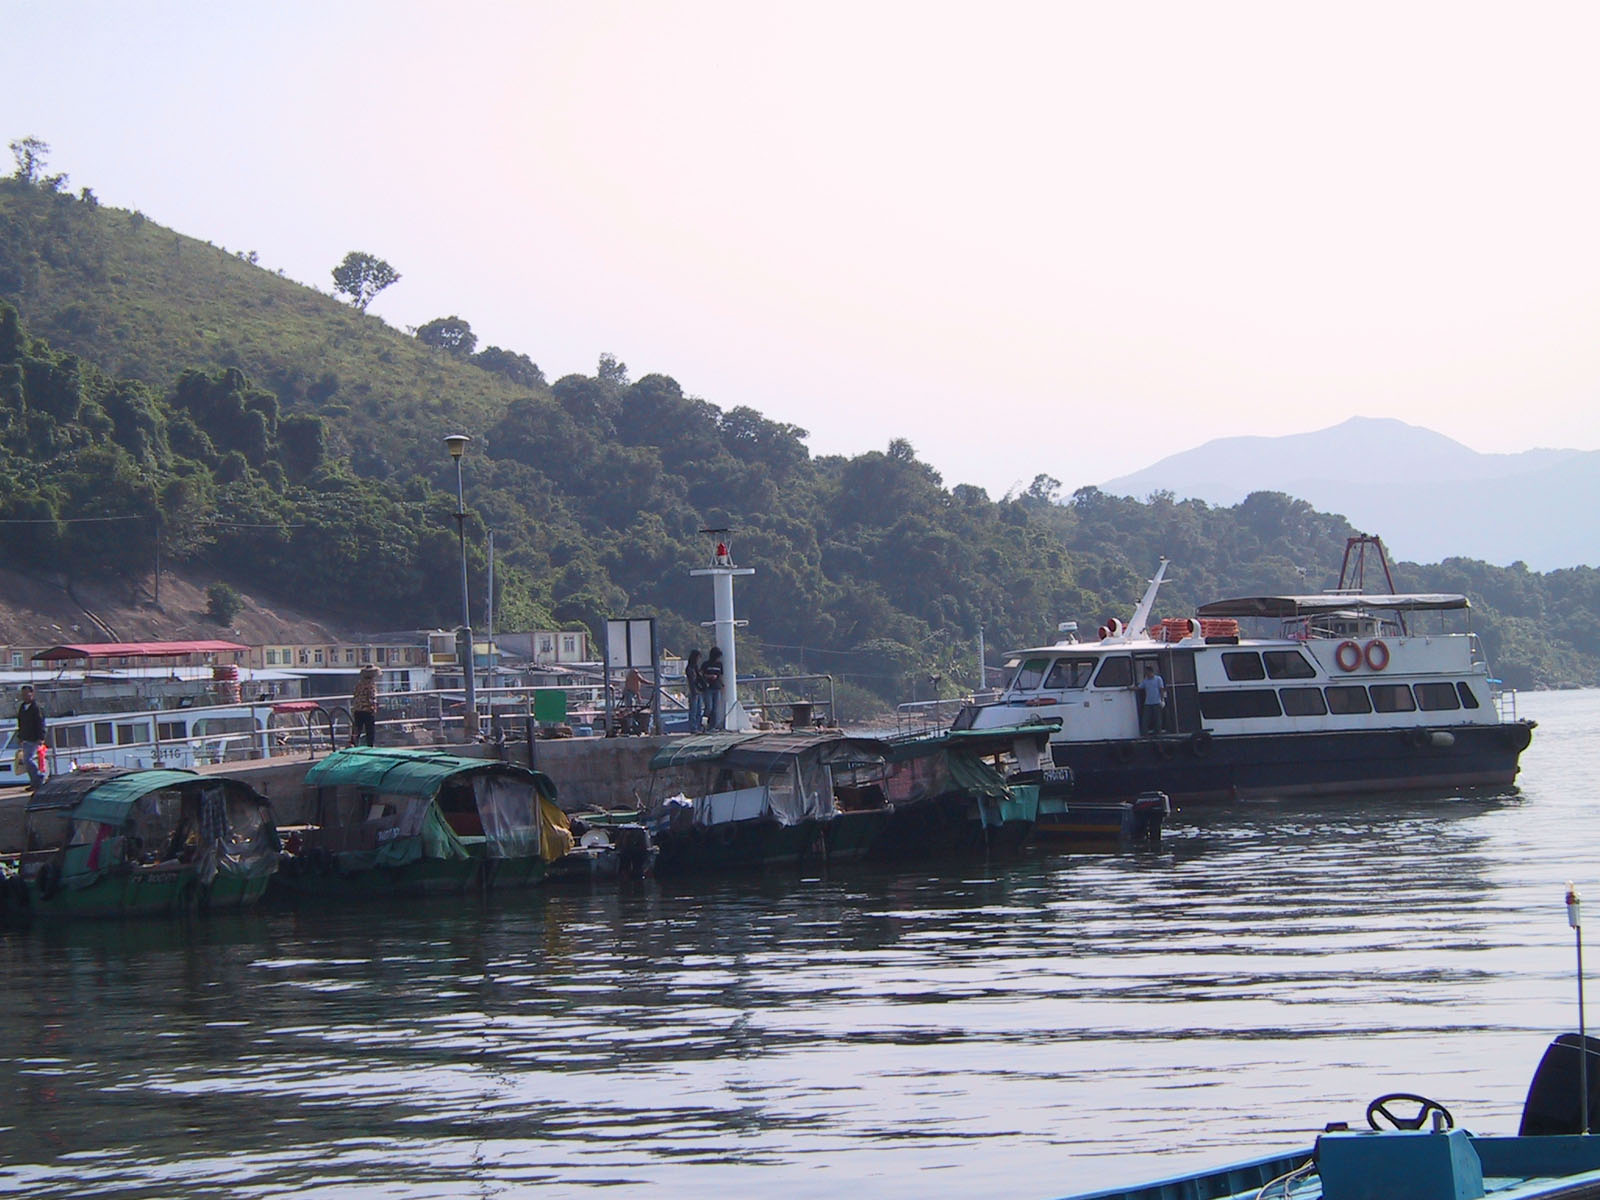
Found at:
<point>1070,673</point>
<point>1030,675</point>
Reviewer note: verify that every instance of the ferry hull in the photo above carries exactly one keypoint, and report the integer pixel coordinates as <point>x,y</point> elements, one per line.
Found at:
<point>1222,769</point>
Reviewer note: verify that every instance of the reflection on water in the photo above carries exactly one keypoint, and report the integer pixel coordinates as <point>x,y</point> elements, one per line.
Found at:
<point>1020,1028</point>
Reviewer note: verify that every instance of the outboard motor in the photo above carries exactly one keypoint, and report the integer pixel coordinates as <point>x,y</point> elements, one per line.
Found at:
<point>1554,1104</point>
<point>1150,810</point>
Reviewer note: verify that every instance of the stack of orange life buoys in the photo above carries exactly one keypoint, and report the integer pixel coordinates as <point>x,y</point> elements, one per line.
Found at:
<point>1176,629</point>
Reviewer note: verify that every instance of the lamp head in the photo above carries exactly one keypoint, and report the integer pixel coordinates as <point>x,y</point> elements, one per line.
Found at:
<point>457,442</point>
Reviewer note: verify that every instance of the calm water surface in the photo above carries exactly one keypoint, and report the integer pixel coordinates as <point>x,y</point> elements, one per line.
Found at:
<point>1017,1029</point>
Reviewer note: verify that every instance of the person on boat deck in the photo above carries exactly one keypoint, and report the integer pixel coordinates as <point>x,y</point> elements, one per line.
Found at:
<point>30,733</point>
<point>364,708</point>
<point>1152,701</point>
<point>695,690</point>
<point>711,681</point>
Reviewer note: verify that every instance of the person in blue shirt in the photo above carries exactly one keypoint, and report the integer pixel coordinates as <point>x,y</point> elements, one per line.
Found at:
<point>1152,701</point>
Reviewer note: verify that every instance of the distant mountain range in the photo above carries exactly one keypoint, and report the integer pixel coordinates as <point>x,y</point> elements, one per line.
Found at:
<point>1427,496</point>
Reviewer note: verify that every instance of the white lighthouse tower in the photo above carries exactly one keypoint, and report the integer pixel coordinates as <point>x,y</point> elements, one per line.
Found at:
<point>722,572</point>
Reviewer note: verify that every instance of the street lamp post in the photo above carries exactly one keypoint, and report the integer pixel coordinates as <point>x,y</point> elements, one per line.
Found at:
<point>457,442</point>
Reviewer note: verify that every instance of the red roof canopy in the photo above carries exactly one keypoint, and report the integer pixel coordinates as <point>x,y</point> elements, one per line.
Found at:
<point>138,650</point>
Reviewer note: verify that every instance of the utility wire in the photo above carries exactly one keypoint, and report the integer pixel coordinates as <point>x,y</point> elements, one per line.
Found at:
<point>66,520</point>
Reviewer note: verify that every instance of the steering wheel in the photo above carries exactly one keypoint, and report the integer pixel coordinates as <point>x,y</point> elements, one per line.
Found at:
<point>1425,1108</point>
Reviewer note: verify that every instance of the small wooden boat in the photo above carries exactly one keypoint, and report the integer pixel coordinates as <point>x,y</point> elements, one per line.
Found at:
<point>1068,823</point>
<point>963,792</point>
<point>118,842</point>
<point>744,800</point>
<point>1413,1151</point>
<point>391,822</point>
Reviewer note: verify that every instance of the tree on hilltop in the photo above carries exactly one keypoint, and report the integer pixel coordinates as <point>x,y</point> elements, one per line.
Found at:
<point>30,154</point>
<point>450,334</point>
<point>362,276</point>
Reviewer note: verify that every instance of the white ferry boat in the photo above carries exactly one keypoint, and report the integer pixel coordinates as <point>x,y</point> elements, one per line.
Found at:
<point>1351,692</point>
<point>167,737</point>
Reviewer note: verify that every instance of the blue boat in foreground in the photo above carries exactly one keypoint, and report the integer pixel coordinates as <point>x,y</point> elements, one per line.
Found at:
<point>1413,1151</point>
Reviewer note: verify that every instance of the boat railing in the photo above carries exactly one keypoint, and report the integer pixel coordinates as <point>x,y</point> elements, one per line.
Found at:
<point>919,717</point>
<point>284,727</point>
<point>512,713</point>
<point>1505,699</point>
<point>1475,648</point>
<point>800,701</point>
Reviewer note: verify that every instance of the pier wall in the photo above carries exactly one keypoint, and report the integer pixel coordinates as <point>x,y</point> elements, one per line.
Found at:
<point>588,773</point>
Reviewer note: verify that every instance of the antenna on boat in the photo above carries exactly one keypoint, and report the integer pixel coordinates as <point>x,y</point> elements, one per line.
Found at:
<point>1575,919</point>
<point>1353,574</point>
<point>722,572</point>
<point>1147,603</point>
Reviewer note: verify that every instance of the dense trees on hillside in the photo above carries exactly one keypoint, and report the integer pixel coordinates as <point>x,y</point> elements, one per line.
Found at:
<point>297,449</point>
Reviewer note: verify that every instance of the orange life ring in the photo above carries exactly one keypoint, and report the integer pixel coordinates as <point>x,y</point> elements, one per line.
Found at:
<point>1348,656</point>
<point>1377,654</point>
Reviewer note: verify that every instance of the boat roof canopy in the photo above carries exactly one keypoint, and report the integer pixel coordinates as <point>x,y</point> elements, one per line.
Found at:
<point>763,751</point>
<point>1331,602</point>
<point>412,772</point>
<point>106,796</point>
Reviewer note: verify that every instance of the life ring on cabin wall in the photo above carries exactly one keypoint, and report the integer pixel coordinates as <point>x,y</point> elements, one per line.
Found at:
<point>1348,656</point>
<point>1377,654</point>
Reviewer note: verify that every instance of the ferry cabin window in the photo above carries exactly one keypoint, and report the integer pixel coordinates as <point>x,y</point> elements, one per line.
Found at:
<point>1070,673</point>
<point>132,735</point>
<point>1287,664</point>
<point>1226,706</point>
<point>1115,672</point>
<point>1302,702</point>
<point>69,737</point>
<point>171,730</point>
<point>1030,675</point>
<point>1392,697</point>
<point>1468,699</point>
<point>1243,665</point>
<point>102,733</point>
<point>1347,701</point>
<point>1437,697</point>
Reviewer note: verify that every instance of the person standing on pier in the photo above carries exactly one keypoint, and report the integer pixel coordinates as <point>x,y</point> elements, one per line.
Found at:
<point>364,708</point>
<point>30,734</point>
<point>711,682</point>
<point>695,690</point>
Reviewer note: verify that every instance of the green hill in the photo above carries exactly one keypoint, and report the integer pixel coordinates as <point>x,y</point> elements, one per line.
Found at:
<point>158,394</point>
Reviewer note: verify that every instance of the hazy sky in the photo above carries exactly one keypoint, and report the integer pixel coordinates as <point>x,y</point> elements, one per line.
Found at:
<point>1067,238</point>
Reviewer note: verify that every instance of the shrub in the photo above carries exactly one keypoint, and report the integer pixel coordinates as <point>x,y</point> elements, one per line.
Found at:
<point>222,603</point>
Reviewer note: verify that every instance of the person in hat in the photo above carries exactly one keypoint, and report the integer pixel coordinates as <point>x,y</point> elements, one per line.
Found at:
<point>364,708</point>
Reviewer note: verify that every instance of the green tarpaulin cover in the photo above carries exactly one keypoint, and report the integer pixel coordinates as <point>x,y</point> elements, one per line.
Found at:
<point>109,803</point>
<point>410,772</point>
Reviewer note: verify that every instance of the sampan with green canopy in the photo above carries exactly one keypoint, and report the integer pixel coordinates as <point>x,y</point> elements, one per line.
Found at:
<point>403,822</point>
<point>114,842</point>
